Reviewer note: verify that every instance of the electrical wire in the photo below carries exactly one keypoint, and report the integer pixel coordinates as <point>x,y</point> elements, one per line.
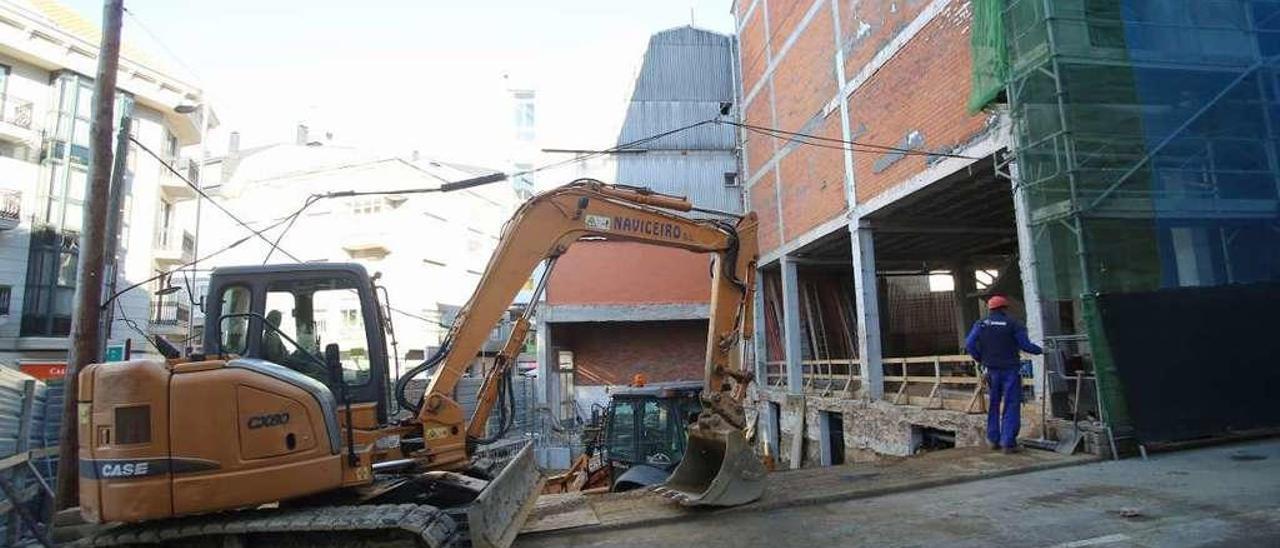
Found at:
<point>612,150</point>
<point>197,260</point>
<point>134,326</point>
<point>147,30</point>
<point>204,195</point>
<point>868,147</point>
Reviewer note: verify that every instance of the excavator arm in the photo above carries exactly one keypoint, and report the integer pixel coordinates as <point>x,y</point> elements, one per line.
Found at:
<point>542,229</point>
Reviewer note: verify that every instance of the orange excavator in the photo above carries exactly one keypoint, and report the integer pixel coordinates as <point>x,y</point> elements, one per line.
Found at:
<point>282,430</point>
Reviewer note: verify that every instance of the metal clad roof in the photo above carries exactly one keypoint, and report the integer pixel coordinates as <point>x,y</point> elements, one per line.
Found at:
<point>686,64</point>
<point>686,75</point>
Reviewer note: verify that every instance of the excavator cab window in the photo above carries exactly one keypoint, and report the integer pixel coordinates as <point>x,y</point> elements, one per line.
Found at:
<point>316,313</point>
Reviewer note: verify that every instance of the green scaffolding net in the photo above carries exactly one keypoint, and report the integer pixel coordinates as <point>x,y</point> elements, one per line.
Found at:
<point>1145,135</point>
<point>989,55</point>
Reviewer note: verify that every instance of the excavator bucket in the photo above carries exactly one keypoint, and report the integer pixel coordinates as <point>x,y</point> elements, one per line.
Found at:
<point>718,469</point>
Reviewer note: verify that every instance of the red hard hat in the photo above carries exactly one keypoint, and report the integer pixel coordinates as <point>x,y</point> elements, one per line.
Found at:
<point>997,301</point>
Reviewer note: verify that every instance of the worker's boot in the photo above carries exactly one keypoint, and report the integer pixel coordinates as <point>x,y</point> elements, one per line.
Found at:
<point>1010,450</point>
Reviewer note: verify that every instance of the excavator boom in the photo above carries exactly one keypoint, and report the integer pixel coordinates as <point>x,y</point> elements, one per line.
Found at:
<point>542,229</point>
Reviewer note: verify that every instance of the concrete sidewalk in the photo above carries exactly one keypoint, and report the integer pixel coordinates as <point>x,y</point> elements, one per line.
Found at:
<point>786,489</point>
<point>1218,496</point>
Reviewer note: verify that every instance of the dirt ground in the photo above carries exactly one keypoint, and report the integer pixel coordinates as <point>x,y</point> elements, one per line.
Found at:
<point>793,488</point>
<point>1227,495</point>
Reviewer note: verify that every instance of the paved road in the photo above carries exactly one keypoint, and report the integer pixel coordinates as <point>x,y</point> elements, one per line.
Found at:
<point>1219,496</point>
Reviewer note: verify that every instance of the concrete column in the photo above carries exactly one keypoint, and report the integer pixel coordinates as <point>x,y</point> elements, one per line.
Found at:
<point>1027,268</point>
<point>759,350</point>
<point>548,392</point>
<point>791,325</point>
<point>966,306</point>
<point>868,304</point>
<point>764,416</point>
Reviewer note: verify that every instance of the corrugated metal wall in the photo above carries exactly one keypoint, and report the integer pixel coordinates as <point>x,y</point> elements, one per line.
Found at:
<point>687,74</point>
<point>43,432</point>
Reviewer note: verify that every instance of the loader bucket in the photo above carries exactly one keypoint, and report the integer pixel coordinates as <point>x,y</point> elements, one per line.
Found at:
<point>497,515</point>
<point>718,469</point>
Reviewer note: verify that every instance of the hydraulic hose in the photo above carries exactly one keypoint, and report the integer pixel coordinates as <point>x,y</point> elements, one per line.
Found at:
<point>402,383</point>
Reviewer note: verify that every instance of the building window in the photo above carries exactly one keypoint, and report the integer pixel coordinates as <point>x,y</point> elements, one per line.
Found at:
<point>6,293</point>
<point>170,147</point>
<point>61,192</point>
<point>165,226</point>
<point>523,182</point>
<point>730,179</point>
<point>524,115</point>
<point>51,283</point>
<point>365,205</point>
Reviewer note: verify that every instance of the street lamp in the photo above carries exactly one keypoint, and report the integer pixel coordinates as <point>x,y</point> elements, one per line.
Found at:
<point>191,108</point>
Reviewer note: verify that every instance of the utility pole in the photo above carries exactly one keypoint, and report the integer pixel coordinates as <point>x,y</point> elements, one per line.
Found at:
<point>115,212</point>
<point>87,319</point>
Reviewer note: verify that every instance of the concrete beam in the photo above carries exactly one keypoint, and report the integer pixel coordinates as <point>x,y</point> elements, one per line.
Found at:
<point>567,313</point>
<point>791,325</point>
<point>867,299</point>
<point>936,229</point>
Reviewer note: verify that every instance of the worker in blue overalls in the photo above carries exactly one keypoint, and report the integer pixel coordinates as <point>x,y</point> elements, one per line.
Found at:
<point>994,342</point>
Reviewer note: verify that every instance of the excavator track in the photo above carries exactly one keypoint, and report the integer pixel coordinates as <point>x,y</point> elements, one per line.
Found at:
<point>383,525</point>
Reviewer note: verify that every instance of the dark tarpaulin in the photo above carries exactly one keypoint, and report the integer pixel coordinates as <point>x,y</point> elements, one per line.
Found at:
<point>1196,362</point>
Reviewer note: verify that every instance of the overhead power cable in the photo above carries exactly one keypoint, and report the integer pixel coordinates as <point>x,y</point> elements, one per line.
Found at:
<point>851,145</point>
<point>202,194</point>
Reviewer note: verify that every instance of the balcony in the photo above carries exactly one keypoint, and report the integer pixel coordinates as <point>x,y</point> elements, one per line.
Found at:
<point>170,317</point>
<point>174,247</point>
<point>172,186</point>
<point>10,209</point>
<point>17,119</point>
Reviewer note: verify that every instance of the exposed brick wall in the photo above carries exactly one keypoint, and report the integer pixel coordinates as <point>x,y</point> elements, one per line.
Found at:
<point>602,272</point>
<point>812,183</point>
<point>784,17</point>
<point>759,147</point>
<point>764,202</point>
<point>805,80</point>
<point>867,26</point>
<point>921,89</point>
<point>898,100</point>
<point>611,353</point>
<point>752,52</point>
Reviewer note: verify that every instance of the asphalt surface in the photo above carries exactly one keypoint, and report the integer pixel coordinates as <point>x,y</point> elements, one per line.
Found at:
<point>1219,496</point>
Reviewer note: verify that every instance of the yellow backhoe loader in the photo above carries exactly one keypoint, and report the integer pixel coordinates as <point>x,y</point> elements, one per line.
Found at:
<point>283,432</point>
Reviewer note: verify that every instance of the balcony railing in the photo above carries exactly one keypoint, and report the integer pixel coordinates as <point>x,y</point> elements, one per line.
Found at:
<point>15,111</point>
<point>170,313</point>
<point>10,208</point>
<point>175,245</point>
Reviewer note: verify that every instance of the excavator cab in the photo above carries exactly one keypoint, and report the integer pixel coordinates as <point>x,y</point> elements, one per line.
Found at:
<point>288,314</point>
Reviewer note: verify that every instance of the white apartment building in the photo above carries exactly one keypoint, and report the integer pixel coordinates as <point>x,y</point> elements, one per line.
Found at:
<point>429,249</point>
<point>48,56</point>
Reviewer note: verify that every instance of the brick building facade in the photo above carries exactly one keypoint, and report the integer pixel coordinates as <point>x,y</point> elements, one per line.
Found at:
<point>863,244</point>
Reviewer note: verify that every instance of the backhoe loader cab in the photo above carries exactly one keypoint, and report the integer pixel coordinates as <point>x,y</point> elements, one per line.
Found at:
<point>645,431</point>
<point>309,306</point>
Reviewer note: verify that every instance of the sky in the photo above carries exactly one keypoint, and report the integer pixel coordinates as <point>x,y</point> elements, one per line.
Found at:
<point>404,75</point>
